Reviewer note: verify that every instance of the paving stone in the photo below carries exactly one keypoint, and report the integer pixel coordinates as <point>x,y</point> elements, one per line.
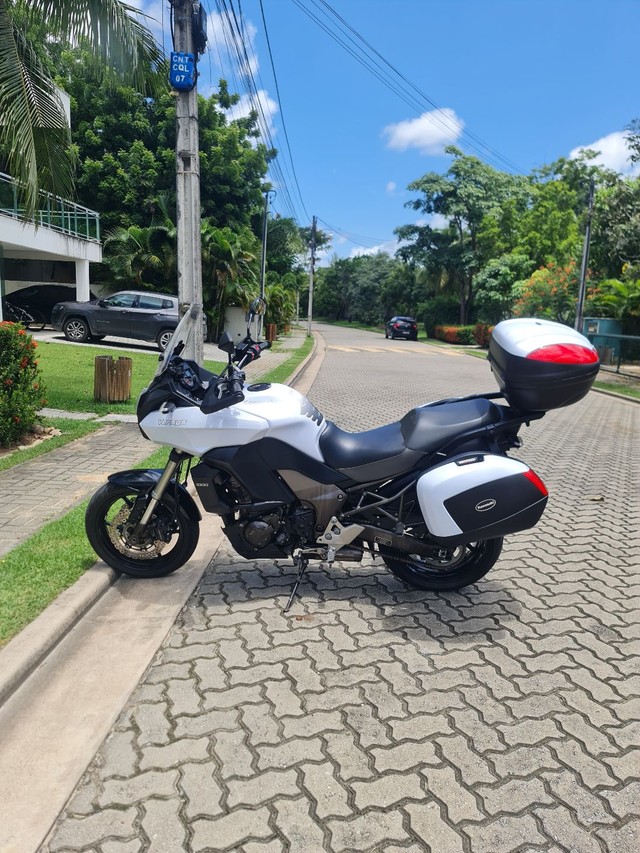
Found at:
<point>121,847</point>
<point>514,796</point>
<point>150,784</point>
<point>473,767</point>
<point>560,825</point>
<point>260,724</point>
<point>312,724</point>
<point>236,759</point>
<point>461,805</point>
<point>231,698</point>
<point>259,789</point>
<point>118,755</point>
<point>352,762</point>
<point>163,757</point>
<point>622,839</point>
<point>183,696</point>
<point>504,834</point>
<point>201,791</point>
<point>405,756</point>
<point>589,808</point>
<point>295,823</point>
<point>231,829</point>
<point>626,801</point>
<point>387,790</point>
<point>289,754</point>
<point>152,722</point>
<point>330,797</point>
<point>284,699</point>
<point>206,723</point>
<point>370,731</point>
<point>592,773</point>
<point>162,825</point>
<point>84,831</point>
<point>427,823</point>
<point>373,830</point>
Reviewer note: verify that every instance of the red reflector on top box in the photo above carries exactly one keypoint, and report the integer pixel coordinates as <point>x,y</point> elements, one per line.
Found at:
<point>565,354</point>
<point>540,365</point>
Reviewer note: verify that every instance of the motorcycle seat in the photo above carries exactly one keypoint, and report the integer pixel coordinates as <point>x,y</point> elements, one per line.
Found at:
<point>388,451</point>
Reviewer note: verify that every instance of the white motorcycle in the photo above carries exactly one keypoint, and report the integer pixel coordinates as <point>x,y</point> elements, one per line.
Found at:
<point>432,494</point>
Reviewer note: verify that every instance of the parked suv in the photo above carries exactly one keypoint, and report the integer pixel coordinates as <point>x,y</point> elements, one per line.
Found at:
<point>128,314</point>
<point>401,327</point>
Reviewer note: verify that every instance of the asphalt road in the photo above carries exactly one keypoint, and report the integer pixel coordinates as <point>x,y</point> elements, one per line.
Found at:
<point>376,718</point>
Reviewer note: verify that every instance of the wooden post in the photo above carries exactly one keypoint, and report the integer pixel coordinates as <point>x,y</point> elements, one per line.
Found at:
<point>112,379</point>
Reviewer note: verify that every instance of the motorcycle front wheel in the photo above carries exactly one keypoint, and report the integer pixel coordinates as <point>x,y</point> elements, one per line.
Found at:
<point>169,540</point>
<point>448,568</point>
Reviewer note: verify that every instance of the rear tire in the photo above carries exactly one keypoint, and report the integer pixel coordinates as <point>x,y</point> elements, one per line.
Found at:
<point>106,526</point>
<point>458,567</point>
<point>76,329</point>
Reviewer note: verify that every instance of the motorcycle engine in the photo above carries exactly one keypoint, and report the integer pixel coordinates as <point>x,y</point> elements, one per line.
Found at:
<point>260,531</point>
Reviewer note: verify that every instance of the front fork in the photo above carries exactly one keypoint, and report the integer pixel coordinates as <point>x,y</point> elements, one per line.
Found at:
<point>175,458</point>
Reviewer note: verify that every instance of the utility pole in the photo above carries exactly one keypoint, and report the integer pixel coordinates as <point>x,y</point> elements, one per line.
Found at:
<point>313,260</point>
<point>188,41</point>
<point>263,259</point>
<point>585,262</point>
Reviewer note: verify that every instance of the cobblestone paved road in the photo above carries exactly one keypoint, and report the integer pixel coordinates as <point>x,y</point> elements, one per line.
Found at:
<point>375,718</point>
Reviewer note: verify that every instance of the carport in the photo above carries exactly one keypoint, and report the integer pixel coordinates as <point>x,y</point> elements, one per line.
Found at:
<point>62,231</point>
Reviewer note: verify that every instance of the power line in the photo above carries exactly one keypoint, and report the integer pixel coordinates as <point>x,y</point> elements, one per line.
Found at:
<point>399,88</point>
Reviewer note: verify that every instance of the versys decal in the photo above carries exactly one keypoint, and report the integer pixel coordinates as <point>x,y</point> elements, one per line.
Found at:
<point>309,411</point>
<point>485,505</point>
<point>172,421</point>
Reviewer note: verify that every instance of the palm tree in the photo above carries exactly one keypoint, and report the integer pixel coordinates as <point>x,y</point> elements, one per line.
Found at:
<point>135,254</point>
<point>35,146</point>
<point>619,299</point>
<point>227,274</point>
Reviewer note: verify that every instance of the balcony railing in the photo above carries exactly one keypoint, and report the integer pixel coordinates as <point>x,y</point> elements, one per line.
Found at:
<point>54,212</point>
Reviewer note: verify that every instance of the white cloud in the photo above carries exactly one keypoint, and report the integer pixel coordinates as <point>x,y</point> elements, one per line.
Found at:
<point>429,133</point>
<point>614,153</point>
<point>390,247</point>
<point>391,186</point>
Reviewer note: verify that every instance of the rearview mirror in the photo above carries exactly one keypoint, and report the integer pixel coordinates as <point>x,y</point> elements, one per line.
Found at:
<point>226,343</point>
<point>257,307</point>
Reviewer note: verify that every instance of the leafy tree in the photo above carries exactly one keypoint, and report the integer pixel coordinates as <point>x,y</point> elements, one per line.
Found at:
<point>494,285</point>
<point>34,137</point>
<point>468,192</point>
<point>616,228</point>
<point>633,139</point>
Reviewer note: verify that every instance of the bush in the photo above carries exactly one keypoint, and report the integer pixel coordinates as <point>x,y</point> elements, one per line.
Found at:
<point>482,334</point>
<point>455,334</point>
<point>21,391</point>
<point>438,311</point>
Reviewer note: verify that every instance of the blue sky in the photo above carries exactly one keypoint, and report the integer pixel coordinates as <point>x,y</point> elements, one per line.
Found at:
<point>532,79</point>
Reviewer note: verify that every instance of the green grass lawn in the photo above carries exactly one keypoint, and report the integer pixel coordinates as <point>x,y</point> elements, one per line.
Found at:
<point>68,372</point>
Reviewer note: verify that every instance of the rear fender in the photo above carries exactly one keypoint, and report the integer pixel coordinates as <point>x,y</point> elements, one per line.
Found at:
<point>144,479</point>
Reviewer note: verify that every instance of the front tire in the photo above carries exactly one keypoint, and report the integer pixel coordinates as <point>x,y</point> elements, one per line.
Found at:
<point>449,568</point>
<point>170,537</point>
<point>77,330</point>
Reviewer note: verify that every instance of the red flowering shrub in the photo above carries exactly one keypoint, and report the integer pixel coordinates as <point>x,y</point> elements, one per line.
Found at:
<point>21,389</point>
<point>454,334</point>
<point>482,334</point>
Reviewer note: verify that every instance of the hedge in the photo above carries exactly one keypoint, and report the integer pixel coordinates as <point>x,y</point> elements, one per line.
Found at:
<point>455,334</point>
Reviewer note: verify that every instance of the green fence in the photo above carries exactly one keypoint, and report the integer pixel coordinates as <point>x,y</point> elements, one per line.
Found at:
<point>54,212</point>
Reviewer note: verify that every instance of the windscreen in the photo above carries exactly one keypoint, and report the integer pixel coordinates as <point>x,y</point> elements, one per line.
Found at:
<point>185,330</point>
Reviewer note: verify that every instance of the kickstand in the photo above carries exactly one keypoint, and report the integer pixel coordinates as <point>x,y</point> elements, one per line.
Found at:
<point>301,563</point>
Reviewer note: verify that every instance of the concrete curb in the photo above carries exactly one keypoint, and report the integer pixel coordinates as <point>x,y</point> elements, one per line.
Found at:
<point>26,651</point>
<point>616,396</point>
<point>29,648</point>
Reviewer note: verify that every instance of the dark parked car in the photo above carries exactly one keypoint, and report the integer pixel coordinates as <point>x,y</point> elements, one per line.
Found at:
<point>40,298</point>
<point>128,314</point>
<point>401,327</point>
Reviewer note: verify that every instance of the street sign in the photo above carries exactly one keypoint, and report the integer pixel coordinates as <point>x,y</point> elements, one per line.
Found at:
<point>182,73</point>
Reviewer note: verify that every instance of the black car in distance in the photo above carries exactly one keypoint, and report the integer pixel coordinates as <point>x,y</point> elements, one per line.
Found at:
<point>128,314</point>
<point>401,327</point>
<point>39,299</point>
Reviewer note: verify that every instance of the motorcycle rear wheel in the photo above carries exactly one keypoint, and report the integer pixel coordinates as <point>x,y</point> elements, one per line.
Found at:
<point>462,565</point>
<point>106,526</point>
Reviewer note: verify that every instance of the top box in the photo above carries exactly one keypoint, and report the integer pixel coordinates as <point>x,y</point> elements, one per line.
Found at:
<point>540,365</point>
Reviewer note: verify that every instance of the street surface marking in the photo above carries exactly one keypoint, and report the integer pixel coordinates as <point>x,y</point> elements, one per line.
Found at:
<point>401,350</point>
